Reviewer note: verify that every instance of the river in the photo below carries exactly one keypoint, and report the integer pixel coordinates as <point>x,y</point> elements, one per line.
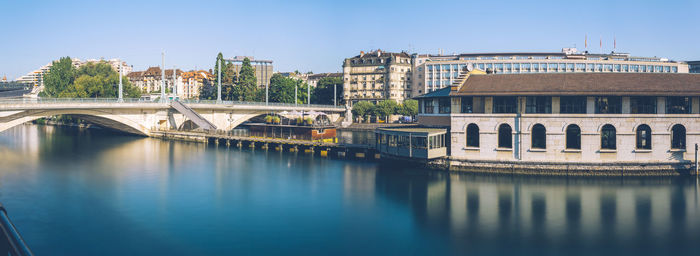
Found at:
<point>92,192</point>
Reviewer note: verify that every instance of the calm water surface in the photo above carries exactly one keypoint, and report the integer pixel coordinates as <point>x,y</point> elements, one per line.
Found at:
<point>74,192</point>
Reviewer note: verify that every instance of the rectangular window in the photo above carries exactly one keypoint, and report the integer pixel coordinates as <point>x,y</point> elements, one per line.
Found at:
<point>538,105</point>
<point>428,106</point>
<point>467,105</point>
<point>678,105</point>
<point>643,105</point>
<point>505,104</point>
<point>608,105</point>
<point>572,105</point>
<point>444,105</point>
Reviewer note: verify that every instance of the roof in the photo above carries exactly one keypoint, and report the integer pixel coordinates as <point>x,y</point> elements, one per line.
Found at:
<point>627,84</point>
<point>429,131</point>
<point>383,53</point>
<point>444,92</point>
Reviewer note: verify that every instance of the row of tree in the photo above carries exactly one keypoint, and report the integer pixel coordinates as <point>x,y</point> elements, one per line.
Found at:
<point>242,86</point>
<point>383,109</point>
<point>92,80</point>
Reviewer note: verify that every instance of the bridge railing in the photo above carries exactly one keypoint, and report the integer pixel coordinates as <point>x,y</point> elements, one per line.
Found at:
<point>11,243</point>
<point>128,100</point>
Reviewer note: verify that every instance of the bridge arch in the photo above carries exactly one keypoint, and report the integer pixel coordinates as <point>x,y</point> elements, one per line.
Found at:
<point>101,118</point>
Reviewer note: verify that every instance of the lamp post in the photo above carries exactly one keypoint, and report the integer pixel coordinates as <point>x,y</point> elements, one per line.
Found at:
<point>121,99</point>
<point>218,94</point>
<point>162,77</point>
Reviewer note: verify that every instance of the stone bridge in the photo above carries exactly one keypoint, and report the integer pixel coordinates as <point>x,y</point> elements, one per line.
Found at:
<point>142,117</point>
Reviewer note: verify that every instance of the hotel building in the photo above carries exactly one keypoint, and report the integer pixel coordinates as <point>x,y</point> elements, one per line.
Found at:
<point>433,72</point>
<point>377,76</point>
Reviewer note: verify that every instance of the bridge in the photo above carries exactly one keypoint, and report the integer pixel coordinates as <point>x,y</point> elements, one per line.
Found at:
<point>142,117</point>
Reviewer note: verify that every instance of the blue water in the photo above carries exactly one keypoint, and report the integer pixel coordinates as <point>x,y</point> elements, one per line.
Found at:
<point>91,192</point>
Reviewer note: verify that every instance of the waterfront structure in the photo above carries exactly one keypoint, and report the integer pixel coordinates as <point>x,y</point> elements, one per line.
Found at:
<point>433,72</point>
<point>377,76</point>
<point>192,81</point>
<point>694,66</point>
<point>150,80</point>
<point>263,68</point>
<point>569,118</point>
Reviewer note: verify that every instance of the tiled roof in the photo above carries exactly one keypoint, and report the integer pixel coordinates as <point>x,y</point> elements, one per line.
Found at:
<point>627,84</point>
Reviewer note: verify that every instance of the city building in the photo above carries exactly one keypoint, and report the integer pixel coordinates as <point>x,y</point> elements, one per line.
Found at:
<point>645,120</point>
<point>263,68</point>
<point>36,77</point>
<point>433,72</point>
<point>192,81</point>
<point>312,79</point>
<point>377,76</point>
<point>694,66</point>
<point>149,81</point>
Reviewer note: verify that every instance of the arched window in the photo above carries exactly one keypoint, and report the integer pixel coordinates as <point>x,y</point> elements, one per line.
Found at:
<point>505,136</point>
<point>539,136</point>
<point>473,135</point>
<point>678,137</point>
<point>573,137</point>
<point>608,137</point>
<point>643,137</point>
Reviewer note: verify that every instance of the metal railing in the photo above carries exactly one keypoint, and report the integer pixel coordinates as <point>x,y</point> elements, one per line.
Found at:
<point>11,243</point>
<point>185,101</point>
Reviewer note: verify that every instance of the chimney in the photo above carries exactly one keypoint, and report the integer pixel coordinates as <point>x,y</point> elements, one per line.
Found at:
<point>362,54</point>
<point>379,53</point>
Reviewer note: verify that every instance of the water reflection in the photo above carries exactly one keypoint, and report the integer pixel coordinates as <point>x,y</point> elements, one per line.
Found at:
<point>145,196</point>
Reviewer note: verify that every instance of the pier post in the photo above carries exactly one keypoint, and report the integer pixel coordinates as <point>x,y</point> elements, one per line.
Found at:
<point>265,146</point>
<point>252,144</point>
<point>696,160</point>
<point>324,153</point>
<point>228,143</point>
<point>239,144</point>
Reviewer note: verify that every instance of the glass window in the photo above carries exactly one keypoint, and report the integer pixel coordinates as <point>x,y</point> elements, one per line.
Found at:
<point>539,136</point>
<point>570,66</point>
<point>473,135</point>
<point>572,105</point>
<point>643,105</point>
<point>608,137</point>
<point>607,67</point>
<point>573,137</point>
<point>608,105</point>
<point>444,105</point>
<point>428,106</point>
<point>643,137</point>
<point>538,104</point>
<point>589,67</point>
<point>505,136</point>
<point>467,105</point>
<point>624,68</point>
<point>504,104</point>
<point>678,105</point>
<point>617,67</point>
<point>678,137</point>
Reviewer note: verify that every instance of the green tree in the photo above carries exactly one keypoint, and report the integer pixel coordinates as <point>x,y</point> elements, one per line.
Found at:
<point>60,76</point>
<point>362,109</point>
<point>408,108</point>
<point>386,108</point>
<point>92,80</point>
<point>323,92</point>
<point>282,89</point>
<point>247,87</point>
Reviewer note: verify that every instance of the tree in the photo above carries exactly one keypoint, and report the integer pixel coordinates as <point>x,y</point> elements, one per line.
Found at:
<point>60,76</point>
<point>282,89</point>
<point>92,80</point>
<point>247,86</point>
<point>408,108</point>
<point>362,109</point>
<point>323,92</point>
<point>386,108</point>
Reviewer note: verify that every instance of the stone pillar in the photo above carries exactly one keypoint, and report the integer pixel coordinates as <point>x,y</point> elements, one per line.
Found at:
<point>626,105</point>
<point>695,105</point>
<point>590,105</point>
<point>661,105</point>
<point>556,101</point>
<point>488,105</point>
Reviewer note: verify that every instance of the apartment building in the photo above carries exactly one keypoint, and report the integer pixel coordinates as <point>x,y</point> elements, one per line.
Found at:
<point>377,76</point>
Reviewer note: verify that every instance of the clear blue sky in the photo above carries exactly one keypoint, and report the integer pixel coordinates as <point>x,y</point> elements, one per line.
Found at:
<point>317,35</point>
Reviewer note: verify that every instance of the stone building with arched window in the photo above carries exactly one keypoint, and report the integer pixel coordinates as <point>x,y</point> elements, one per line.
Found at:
<point>563,121</point>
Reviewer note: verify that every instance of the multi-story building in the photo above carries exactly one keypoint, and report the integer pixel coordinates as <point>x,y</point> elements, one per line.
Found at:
<point>377,76</point>
<point>608,122</point>
<point>433,72</point>
<point>312,79</point>
<point>192,81</point>
<point>263,68</point>
<point>36,77</point>
<point>694,66</point>
<point>149,81</point>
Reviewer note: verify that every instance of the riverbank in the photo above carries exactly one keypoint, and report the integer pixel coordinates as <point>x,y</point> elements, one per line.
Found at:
<point>372,126</point>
